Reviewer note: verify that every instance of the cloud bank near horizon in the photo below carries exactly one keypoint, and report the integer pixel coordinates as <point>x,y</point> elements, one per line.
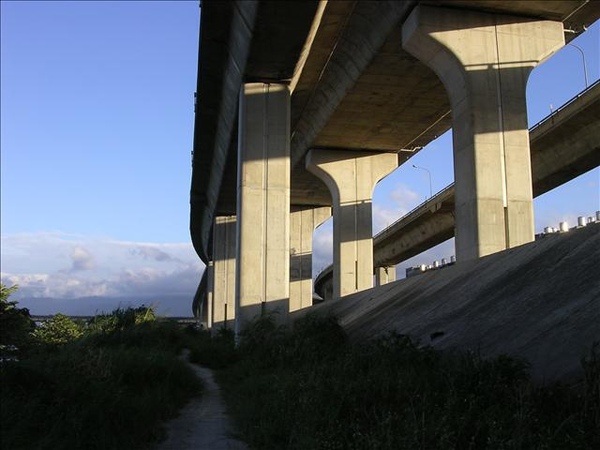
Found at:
<point>69,266</point>
<point>60,265</point>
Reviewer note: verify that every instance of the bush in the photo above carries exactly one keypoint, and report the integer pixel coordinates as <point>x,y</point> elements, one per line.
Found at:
<point>15,325</point>
<point>58,330</point>
<point>311,388</point>
<point>215,352</point>
<point>121,319</point>
<point>96,389</point>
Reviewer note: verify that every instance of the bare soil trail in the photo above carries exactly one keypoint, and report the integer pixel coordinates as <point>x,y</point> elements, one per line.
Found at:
<point>203,423</point>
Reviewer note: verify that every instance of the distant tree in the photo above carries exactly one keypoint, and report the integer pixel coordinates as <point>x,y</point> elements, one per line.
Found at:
<point>60,329</point>
<point>15,323</point>
<point>121,319</point>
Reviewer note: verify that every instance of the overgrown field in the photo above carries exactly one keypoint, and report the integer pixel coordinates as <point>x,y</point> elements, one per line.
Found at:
<point>105,384</point>
<point>110,383</point>
<point>312,389</point>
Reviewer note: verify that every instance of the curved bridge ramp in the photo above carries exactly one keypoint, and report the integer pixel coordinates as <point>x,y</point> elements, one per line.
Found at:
<point>540,301</point>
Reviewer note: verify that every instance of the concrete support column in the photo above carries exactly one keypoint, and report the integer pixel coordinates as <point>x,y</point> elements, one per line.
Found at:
<point>484,61</point>
<point>351,178</point>
<point>302,226</point>
<point>206,307</point>
<point>263,207</point>
<point>200,301</point>
<point>385,275</point>
<point>223,292</point>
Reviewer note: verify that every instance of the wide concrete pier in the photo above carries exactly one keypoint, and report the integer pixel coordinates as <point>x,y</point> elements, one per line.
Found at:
<point>484,61</point>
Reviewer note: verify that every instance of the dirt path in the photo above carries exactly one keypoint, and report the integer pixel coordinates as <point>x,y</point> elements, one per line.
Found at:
<point>203,424</point>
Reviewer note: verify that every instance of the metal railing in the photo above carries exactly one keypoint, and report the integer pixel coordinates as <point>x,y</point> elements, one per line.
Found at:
<point>565,105</point>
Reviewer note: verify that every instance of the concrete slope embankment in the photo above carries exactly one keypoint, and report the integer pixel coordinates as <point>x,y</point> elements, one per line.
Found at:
<point>539,301</point>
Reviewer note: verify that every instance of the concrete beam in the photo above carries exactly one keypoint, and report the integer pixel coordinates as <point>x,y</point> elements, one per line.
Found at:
<point>263,227</point>
<point>224,47</point>
<point>355,31</point>
<point>484,61</point>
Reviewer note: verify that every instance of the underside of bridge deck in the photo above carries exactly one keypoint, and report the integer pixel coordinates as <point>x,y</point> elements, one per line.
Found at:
<point>363,81</point>
<point>353,85</point>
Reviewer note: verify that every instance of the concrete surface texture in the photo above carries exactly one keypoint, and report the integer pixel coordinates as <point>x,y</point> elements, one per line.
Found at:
<point>302,226</point>
<point>351,177</point>
<point>484,61</point>
<point>335,95</point>
<point>384,275</point>
<point>203,424</point>
<point>539,301</point>
<point>564,145</point>
<point>263,219</point>
<point>347,66</point>
<point>222,304</point>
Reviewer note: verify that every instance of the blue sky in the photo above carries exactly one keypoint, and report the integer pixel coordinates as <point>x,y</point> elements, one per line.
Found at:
<point>97,112</point>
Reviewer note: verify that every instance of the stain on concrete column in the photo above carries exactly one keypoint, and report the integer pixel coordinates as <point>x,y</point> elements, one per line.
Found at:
<point>263,207</point>
<point>484,61</point>
<point>351,177</point>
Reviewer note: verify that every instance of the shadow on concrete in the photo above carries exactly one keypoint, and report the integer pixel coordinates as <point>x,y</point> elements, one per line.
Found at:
<point>538,301</point>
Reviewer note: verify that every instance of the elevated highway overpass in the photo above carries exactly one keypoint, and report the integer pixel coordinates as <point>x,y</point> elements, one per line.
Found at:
<point>564,145</point>
<point>300,103</point>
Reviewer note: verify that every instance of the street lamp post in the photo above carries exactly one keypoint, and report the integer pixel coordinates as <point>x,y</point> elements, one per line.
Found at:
<point>429,174</point>
<point>584,63</point>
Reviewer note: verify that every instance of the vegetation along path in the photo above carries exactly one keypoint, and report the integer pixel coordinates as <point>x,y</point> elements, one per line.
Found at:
<point>203,424</point>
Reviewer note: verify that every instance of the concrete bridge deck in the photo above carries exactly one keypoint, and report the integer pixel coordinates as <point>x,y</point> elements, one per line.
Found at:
<point>345,64</point>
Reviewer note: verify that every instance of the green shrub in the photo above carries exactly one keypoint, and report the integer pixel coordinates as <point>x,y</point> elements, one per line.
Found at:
<point>121,319</point>
<point>15,324</point>
<point>105,390</point>
<point>215,352</point>
<point>58,330</point>
<point>312,388</point>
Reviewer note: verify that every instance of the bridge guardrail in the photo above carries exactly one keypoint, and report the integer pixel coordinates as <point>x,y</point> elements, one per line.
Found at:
<point>564,105</point>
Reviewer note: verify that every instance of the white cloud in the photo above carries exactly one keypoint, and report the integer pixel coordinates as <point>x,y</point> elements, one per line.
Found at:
<point>152,253</point>
<point>384,217</point>
<point>405,198</point>
<point>397,203</point>
<point>69,266</point>
<point>154,282</point>
<point>82,259</point>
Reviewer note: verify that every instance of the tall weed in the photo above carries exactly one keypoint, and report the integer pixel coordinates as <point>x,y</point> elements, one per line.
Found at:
<point>106,390</point>
<point>311,388</point>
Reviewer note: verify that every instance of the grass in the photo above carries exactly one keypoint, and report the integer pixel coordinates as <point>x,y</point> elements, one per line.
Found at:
<point>310,388</point>
<point>111,383</point>
<point>110,388</point>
